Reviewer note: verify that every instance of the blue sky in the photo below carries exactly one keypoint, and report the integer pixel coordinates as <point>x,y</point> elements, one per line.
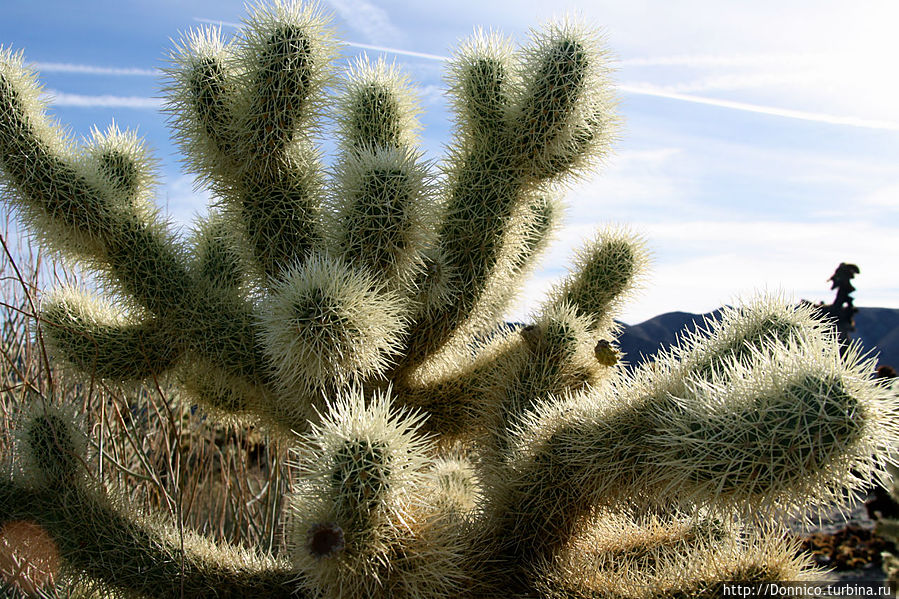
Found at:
<point>760,144</point>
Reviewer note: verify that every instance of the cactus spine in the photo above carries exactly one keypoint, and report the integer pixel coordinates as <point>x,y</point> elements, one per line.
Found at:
<point>352,306</point>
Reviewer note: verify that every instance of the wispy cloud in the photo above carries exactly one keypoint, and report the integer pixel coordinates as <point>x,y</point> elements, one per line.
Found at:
<point>88,69</point>
<point>700,265</point>
<point>819,117</point>
<point>359,45</point>
<point>56,98</point>
<point>368,19</point>
<point>730,61</point>
<point>411,53</point>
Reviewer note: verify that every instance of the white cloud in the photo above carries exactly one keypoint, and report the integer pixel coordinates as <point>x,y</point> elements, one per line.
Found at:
<point>57,98</point>
<point>368,19</point>
<point>820,117</point>
<point>182,201</point>
<point>89,69</point>
<point>700,265</point>
<point>886,197</point>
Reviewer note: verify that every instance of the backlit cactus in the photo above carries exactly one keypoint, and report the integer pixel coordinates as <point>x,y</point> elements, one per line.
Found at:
<point>353,311</point>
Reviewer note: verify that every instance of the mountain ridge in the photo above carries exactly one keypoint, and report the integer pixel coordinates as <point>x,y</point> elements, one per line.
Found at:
<point>876,328</point>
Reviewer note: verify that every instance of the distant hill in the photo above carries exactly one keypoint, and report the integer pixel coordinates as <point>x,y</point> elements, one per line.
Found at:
<point>876,328</point>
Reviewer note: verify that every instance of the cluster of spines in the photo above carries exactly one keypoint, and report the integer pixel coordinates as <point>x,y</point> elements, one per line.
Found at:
<point>623,555</point>
<point>50,446</point>
<point>328,325</point>
<point>785,430</point>
<point>94,338</point>
<point>245,112</point>
<point>96,208</point>
<point>568,348</point>
<point>362,523</point>
<point>494,173</point>
<point>606,271</point>
<point>383,200</point>
<point>102,543</point>
<point>93,207</point>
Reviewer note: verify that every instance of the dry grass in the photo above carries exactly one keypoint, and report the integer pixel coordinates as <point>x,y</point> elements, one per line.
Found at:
<point>154,452</point>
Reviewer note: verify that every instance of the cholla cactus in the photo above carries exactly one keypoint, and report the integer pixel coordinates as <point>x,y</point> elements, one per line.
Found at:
<point>353,310</point>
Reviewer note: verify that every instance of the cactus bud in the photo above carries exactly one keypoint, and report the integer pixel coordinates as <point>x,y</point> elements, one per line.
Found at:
<point>605,353</point>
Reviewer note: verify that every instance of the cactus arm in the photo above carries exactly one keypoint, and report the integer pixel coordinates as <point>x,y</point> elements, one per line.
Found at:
<point>286,55</point>
<point>556,355</point>
<point>496,166</point>
<point>606,271</point>
<point>686,555</point>
<point>542,219</point>
<point>202,95</point>
<point>785,439</point>
<point>218,260</point>
<point>103,543</point>
<point>384,213</point>
<point>285,51</point>
<point>560,353</point>
<point>76,207</point>
<point>533,227</point>
<point>570,155</point>
<point>362,526</point>
<point>377,108</point>
<point>96,342</point>
<point>102,540</point>
<point>456,398</point>
<point>246,115</point>
<point>383,202</point>
<point>553,357</point>
<point>97,209</point>
<point>327,325</point>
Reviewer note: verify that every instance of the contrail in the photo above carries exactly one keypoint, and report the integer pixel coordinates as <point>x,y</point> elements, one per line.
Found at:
<point>818,117</point>
<point>87,69</point>
<point>102,101</point>
<point>137,102</point>
<point>396,51</point>
<point>412,53</point>
<point>724,60</point>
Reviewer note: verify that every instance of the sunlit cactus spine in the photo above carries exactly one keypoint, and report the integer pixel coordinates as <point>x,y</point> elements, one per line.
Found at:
<point>353,311</point>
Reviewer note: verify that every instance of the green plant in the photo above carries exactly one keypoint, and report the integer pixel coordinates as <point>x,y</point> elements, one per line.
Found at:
<point>354,307</point>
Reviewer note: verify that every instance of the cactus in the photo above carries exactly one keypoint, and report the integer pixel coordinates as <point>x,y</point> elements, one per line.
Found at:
<point>352,311</point>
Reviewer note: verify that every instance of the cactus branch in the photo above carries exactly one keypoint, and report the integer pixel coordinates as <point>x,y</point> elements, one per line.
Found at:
<point>99,541</point>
